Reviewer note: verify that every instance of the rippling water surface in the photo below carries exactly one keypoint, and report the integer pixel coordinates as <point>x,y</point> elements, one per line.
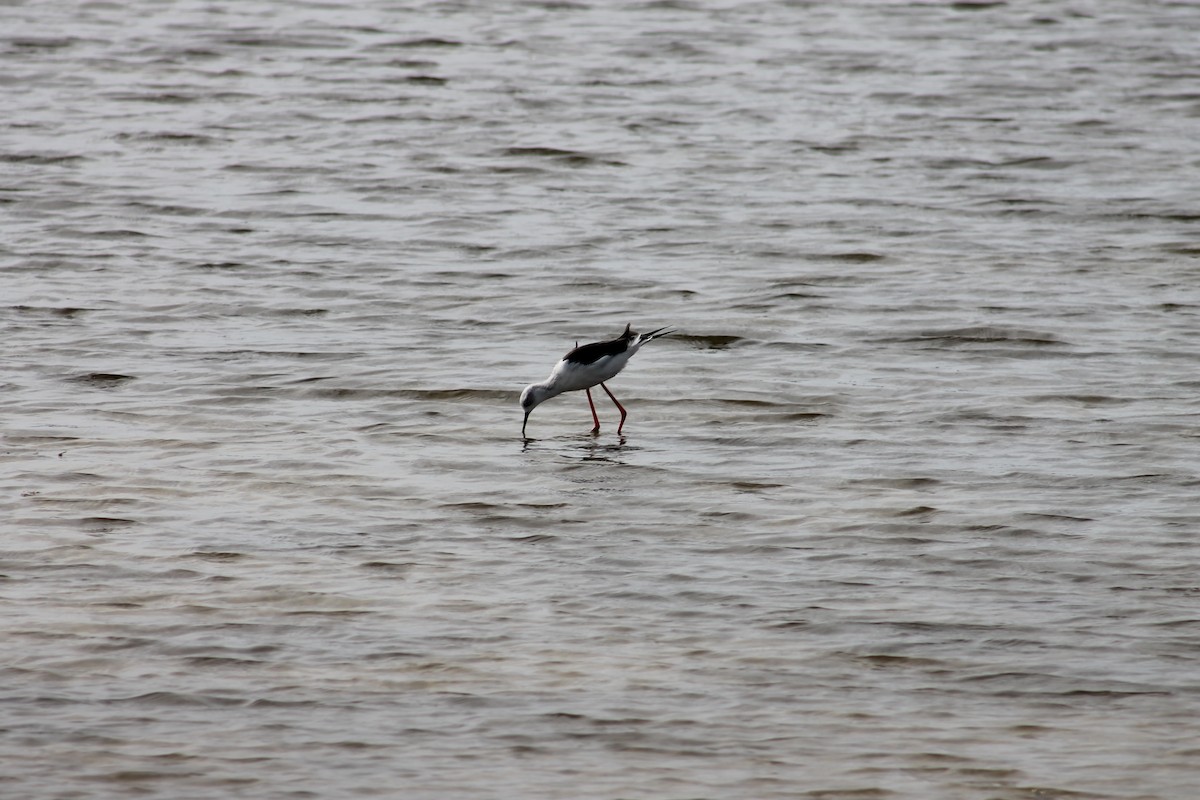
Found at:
<point>907,509</point>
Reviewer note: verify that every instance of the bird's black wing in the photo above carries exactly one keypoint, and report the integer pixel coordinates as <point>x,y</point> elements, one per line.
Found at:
<point>591,353</point>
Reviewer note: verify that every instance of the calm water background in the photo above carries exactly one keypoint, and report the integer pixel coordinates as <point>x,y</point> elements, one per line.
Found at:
<point>908,509</point>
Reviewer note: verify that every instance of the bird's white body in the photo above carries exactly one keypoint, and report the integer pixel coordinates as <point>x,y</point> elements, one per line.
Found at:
<point>588,366</point>
<point>571,376</point>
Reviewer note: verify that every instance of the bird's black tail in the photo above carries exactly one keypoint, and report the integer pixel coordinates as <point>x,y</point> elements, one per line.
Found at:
<point>642,338</point>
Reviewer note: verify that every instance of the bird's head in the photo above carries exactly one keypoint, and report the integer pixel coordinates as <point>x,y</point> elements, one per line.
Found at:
<point>530,398</point>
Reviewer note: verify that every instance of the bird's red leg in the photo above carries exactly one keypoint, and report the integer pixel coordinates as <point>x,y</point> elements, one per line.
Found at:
<point>595,418</point>
<point>620,407</point>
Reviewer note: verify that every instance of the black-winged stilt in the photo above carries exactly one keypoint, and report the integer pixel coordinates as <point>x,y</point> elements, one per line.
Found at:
<point>586,366</point>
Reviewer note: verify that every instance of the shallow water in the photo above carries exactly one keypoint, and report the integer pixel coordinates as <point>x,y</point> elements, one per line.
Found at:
<point>906,509</point>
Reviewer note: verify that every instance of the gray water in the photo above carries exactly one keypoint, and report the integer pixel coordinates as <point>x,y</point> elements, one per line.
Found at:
<point>907,508</point>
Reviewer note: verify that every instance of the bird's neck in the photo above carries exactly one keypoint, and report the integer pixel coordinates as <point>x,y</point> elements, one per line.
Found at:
<point>546,389</point>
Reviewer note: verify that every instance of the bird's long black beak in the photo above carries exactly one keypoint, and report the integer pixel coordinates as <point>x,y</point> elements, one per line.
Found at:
<point>523,424</point>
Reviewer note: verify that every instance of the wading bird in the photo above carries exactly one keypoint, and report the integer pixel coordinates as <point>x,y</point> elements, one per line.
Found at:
<point>586,366</point>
